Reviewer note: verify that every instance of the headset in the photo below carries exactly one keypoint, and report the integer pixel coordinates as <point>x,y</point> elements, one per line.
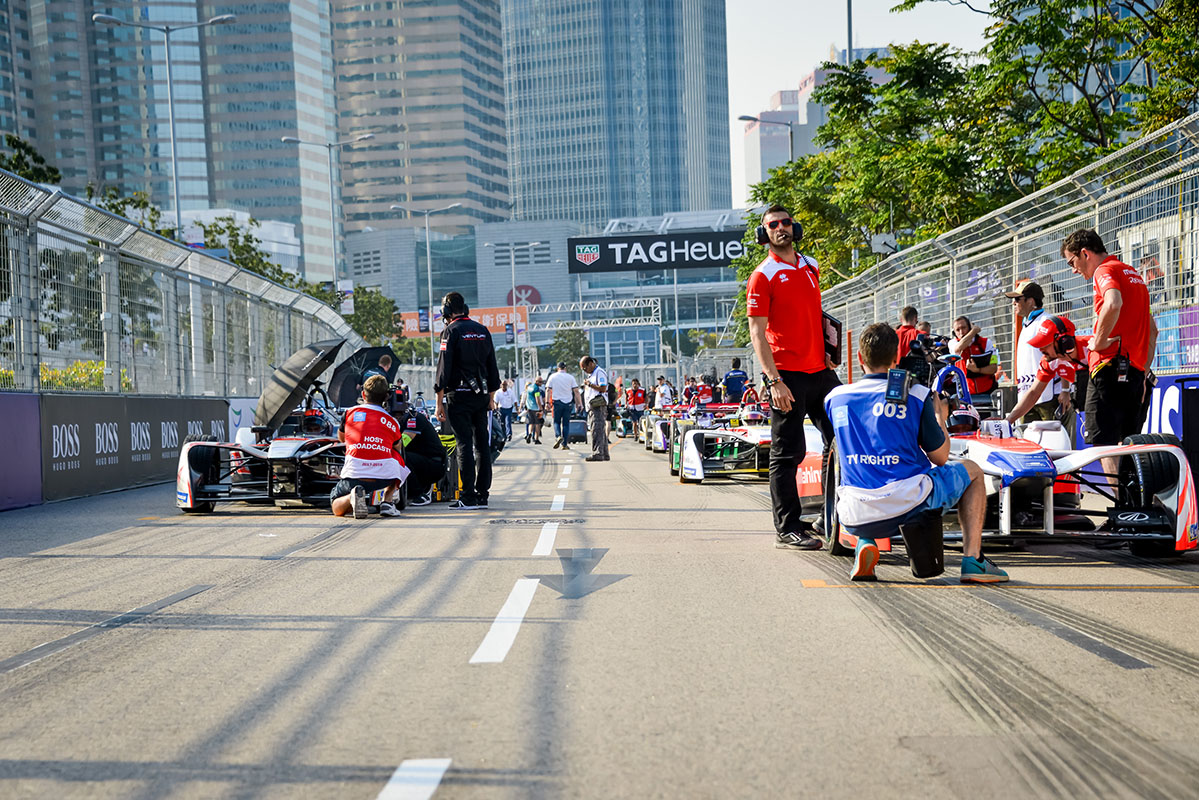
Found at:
<point>1064,342</point>
<point>796,232</point>
<point>446,310</point>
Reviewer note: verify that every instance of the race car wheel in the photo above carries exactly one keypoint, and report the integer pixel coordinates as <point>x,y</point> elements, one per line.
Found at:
<point>832,525</point>
<point>670,442</point>
<point>200,508</point>
<point>1143,476</point>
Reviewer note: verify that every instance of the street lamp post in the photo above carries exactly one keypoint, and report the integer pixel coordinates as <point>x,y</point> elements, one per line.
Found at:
<point>512,248</point>
<point>166,31</point>
<point>330,147</point>
<point>428,267</point>
<point>790,131</point>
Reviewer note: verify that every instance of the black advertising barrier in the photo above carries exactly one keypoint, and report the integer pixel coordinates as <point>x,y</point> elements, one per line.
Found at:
<point>97,443</point>
<point>20,469</point>
<point>621,252</point>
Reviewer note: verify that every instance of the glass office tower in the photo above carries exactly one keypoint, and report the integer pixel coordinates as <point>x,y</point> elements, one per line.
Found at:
<point>616,108</point>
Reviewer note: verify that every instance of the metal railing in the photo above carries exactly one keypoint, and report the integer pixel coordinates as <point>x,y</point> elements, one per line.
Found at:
<point>1144,202</point>
<point>90,301</point>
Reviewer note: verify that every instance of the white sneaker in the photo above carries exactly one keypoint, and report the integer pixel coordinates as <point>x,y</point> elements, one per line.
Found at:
<point>359,495</point>
<point>388,510</point>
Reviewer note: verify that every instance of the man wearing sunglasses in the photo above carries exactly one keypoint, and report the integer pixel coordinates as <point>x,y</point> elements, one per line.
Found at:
<point>786,329</point>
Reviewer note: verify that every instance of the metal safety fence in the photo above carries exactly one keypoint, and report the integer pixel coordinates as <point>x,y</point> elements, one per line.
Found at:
<point>1143,200</point>
<point>90,301</point>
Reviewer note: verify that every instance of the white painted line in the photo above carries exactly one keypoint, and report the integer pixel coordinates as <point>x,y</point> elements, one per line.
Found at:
<point>567,469</point>
<point>502,635</point>
<point>415,779</point>
<point>559,501</point>
<point>564,483</point>
<point>545,542</point>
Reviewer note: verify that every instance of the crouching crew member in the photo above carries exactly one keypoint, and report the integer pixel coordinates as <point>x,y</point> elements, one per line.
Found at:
<point>886,453</point>
<point>1063,358</point>
<point>373,459</point>
<point>424,454</point>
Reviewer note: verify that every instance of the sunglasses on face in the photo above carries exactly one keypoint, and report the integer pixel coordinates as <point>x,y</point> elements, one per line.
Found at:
<point>774,223</point>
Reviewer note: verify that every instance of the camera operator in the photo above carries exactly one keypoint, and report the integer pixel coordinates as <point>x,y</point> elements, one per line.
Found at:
<point>466,382</point>
<point>970,344</point>
<point>887,451</point>
<point>1063,359</point>
<point>1122,344</point>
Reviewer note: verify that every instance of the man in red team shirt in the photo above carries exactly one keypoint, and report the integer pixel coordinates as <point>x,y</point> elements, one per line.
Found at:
<point>1122,344</point>
<point>372,460</point>
<point>1063,356</point>
<point>908,315</point>
<point>785,326</point>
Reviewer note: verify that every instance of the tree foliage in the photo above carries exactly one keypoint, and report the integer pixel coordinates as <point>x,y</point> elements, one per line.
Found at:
<point>373,316</point>
<point>24,160</point>
<point>569,345</point>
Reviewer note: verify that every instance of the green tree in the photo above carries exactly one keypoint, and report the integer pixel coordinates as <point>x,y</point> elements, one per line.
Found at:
<point>24,160</point>
<point>569,345</point>
<point>373,316</point>
<point>411,349</point>
<point>135,207</point>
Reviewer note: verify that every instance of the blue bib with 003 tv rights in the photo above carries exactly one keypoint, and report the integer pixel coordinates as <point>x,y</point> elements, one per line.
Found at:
<point>876,440</point>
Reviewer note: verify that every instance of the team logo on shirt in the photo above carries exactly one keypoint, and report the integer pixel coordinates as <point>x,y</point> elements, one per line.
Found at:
<point>587,253</point>
<point>359,416</point>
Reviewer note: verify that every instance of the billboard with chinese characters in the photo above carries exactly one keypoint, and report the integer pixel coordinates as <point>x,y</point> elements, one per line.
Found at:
<point>494,319</point>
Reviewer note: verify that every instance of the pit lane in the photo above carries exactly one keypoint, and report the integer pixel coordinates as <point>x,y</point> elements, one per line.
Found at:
<point>688,659</point>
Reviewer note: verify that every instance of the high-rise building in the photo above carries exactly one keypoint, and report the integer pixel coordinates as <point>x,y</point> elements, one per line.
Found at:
<point>427,80</point>
<point>270,75</point>
<point>768,146</point>
<point>615,109</point>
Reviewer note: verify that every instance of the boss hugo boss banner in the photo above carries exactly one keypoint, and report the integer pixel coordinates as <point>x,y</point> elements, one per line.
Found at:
<point>20,473</point>
<point>97,443</point>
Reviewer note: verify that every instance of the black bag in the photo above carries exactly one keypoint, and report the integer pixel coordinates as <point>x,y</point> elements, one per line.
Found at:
<point>925,543</point>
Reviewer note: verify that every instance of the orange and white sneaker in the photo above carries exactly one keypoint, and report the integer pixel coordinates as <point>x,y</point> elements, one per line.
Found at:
<point>865,557</point>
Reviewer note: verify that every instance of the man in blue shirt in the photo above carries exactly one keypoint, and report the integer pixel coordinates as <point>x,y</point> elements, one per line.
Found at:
<point>734,383</point>
<point>886,453</point>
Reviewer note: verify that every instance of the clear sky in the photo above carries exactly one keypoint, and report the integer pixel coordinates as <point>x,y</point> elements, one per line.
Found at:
<point>772,44</point>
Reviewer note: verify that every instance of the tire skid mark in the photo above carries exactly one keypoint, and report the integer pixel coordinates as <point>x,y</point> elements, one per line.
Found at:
<point>633,481</point>
<point>1060,744</point>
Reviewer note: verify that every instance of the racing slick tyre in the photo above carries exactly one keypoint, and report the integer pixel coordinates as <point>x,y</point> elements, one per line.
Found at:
<point>671,439</point>
<point>1142,477</point>
<point>832,525</point>
<point>205,459</point>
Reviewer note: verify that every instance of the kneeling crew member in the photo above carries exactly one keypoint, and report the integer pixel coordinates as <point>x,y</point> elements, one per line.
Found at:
<point>1063,357</point>
<point>424,454</point>
<point>373,460</point>
<point>886,453</point>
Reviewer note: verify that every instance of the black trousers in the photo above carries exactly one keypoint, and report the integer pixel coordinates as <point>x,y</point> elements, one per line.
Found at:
<point>425,472</point>
<point>472,433</point>
<point>788,446</point>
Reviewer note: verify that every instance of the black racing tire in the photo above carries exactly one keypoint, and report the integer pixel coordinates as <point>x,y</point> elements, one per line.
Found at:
<point>832,525</point>
<point>670,440</point>
<point>1143,476</point>
<point>200,508</point>
<point>1154,549</point>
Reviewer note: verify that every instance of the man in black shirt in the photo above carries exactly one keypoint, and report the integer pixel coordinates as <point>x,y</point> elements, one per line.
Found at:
<point>424,454</point>
<point>466,382</point>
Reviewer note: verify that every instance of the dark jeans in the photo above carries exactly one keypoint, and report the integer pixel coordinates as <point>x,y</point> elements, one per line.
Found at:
<point>472,433</point>
<point>425,472</point>
<point>788,446</point>
<point>562,420</point>
<point>506,418</point>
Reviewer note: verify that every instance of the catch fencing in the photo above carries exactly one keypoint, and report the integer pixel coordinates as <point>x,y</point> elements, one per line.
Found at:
<point>90,301</point>
<point>1144,202</point>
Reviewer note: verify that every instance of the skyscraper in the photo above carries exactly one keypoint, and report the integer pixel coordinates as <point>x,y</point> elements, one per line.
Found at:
<point>427,80</point>
<point>616,108</point>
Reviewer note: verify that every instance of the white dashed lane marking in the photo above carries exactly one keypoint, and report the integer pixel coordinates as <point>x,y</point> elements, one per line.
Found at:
<point>564,483</point>
<point>415,779</point>
<point>502,635</point>
<point>559,501</point>
<point>545,542</point>
<point>567,469</point>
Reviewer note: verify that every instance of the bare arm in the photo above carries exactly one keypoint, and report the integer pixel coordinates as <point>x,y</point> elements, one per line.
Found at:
<point>941,454</point>
<point>1152,343</point>
<point>1027,401</point>
<point>780,395</point>
<point>1113,301</point>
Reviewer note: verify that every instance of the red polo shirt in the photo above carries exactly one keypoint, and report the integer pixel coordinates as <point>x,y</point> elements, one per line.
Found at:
<point>1132,326</point>
<point>788,295</point>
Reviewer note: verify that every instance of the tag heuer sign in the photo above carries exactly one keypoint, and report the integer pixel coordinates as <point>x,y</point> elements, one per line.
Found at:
<point>587,253</point>
<point>704,249</point>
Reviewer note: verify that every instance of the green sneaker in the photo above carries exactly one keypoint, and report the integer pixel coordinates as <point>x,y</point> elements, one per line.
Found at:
<point>865,557</point>
<point>981,570</point>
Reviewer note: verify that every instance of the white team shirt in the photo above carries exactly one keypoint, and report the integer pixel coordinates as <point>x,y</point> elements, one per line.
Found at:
<point>597,377</point>
<point>664,396</point>
<point>1027,360</point>
<point>561,386</point>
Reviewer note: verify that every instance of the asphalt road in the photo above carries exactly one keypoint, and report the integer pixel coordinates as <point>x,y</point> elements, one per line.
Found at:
<point>600,632</point>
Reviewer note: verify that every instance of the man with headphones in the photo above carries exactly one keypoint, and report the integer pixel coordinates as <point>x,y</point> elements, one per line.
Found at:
<point>786,328</point>
<point>466,382</point>
<point>1063,358</point>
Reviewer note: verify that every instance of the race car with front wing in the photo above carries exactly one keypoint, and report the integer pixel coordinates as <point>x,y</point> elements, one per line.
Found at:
<point>1039,488</point>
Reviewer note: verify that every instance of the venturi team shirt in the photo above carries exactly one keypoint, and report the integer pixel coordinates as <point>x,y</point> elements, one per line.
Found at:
<point>788,295</point>
<point>1133,324</point>
<point>371,434</point>
<point>881,449</point>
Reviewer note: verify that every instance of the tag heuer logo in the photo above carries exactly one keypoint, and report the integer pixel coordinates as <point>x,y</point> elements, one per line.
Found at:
<point>587,253</point>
